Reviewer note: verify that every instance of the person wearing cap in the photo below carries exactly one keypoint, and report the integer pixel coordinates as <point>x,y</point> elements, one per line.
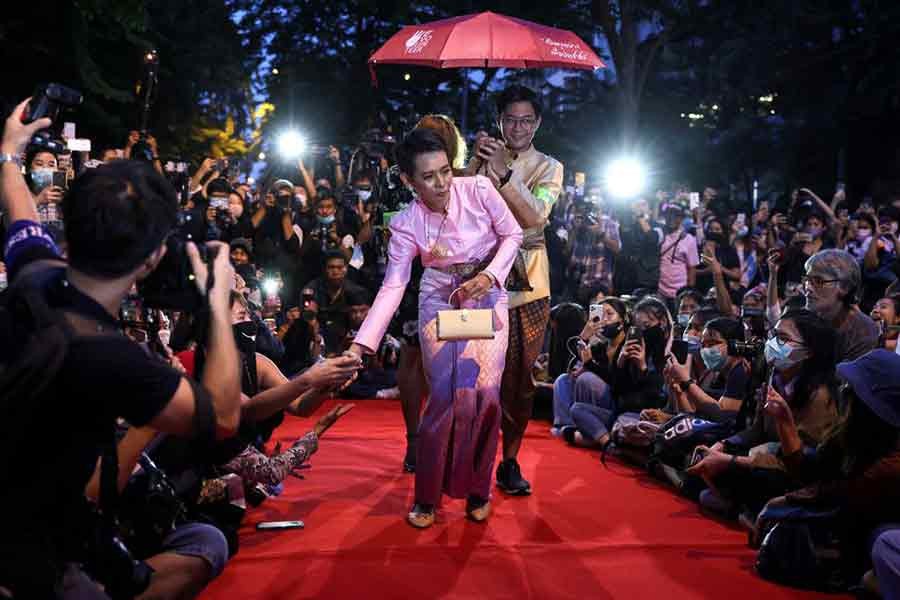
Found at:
<point>857,467</point>
<point>678,257</point>
<point>241,251</point>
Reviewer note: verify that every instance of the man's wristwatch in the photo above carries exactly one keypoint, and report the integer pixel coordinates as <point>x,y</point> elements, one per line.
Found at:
<point>6,157</point>
<point>505,179</point>
<point>685,385</point>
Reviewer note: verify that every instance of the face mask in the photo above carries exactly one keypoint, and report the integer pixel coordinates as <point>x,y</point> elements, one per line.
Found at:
<point>782,355</point>
<point>301,200</point>
<point>165,336</point>
<point>693,343</point>
<point>611,330</point>
<point>814,231</point>
<point>863,234</point>
<point>4,283</point>
<point>718,238</point>
<point>683,319</point>
<point>245,336</point>
<point>364,195</point>
<point>41,178</point>
<point>743,231</point>
<point>713,358</point>
<point>325,220</point>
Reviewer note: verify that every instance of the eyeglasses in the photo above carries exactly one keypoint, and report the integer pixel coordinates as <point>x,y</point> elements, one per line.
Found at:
<point>815,281</point>
<point>525,122</point>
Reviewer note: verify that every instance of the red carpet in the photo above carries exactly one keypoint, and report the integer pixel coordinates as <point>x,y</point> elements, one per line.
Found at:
<point>588,532</point>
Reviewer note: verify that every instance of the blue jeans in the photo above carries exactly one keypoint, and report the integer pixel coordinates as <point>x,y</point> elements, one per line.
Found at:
<point>585,403</point>
<point>191,539</point>
<point>886,560</point>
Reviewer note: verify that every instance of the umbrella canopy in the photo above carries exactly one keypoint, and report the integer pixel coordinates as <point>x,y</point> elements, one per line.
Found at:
<point>486,40</point>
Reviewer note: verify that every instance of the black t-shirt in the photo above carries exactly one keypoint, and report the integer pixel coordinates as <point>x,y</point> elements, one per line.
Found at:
<point>102,378</point>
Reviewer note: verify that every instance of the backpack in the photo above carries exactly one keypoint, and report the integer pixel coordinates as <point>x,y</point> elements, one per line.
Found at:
<point>800,548</point>
<point>676,439</point>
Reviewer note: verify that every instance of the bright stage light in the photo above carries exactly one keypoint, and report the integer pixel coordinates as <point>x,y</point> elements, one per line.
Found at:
<point>625,178</point>
<point>291,144</point>
<point>270,286</point>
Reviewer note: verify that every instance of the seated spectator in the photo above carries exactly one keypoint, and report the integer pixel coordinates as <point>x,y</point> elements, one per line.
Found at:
<point>830,286</point>
<point>886,315</point>
<point>583,405</point>
<point>747,469</point>
<point>856,469</point>
<point>720,393</point>
<point>687,303</point>
<point>331,292</point>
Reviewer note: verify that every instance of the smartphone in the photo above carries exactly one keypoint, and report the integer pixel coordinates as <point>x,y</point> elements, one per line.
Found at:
<point>267,525</point>
<point>634,334</point>
<point>680,350</point>
<point>59,180</point>
<point>595,312</point>
<point>270,323</point>
<point>698,455</point>
<point>694,200</point>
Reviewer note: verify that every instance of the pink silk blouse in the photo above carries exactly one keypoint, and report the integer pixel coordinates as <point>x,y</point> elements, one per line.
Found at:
<point>478,224</point>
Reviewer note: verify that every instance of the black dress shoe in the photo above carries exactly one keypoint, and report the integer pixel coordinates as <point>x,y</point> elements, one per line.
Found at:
<point>510,480</point>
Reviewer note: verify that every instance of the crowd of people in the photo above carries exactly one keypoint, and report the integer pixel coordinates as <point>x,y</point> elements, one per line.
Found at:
<point>746,354</point>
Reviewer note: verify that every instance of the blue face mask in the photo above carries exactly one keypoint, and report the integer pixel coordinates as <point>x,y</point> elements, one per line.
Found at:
<point>683,319</point>
<point>713,358</point>
<point>693,343</point>
<point>782,355</point>
<point>325,220</point>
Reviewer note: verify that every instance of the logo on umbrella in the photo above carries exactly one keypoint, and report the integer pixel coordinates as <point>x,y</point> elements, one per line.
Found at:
<point>568,50</point>
<point>417,41</point>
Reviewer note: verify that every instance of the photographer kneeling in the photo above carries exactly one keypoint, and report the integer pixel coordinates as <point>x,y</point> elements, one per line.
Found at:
<point>72,374</point>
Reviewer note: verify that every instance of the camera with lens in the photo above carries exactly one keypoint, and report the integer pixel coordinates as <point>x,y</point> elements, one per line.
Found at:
<point>750,350</point>
<point>50,100</point>
<point>172,284</point>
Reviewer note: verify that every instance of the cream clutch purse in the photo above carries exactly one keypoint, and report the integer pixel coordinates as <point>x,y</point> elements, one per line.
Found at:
<point>465,323</point>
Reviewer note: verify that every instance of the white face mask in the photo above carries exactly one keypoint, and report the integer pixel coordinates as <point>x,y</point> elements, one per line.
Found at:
<point>3,281</point>
<point>364,195</point>
<point>165,336</point>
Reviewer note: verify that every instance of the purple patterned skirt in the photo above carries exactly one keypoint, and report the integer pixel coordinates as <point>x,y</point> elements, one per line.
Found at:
<point>460,427</point>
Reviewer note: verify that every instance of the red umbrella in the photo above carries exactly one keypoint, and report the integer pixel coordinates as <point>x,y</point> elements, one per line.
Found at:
<point>486,40</point>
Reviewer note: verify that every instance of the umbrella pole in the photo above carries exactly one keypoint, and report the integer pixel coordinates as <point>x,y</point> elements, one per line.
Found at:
<point>464,117</point>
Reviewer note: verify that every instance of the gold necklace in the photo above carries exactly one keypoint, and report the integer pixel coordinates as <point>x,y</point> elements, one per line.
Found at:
<point>437,250</point>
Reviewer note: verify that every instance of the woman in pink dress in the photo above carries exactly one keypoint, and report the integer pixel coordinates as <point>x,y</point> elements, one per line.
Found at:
<point>468,239</point>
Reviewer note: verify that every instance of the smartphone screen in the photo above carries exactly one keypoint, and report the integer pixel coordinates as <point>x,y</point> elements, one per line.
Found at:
<point>279,525</point>
<point>59,179</point>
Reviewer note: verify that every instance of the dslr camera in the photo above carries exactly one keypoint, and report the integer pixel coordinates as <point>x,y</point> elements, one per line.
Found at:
<point>750,350</point>
<point>50,100</point>
<point>172,285</point>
